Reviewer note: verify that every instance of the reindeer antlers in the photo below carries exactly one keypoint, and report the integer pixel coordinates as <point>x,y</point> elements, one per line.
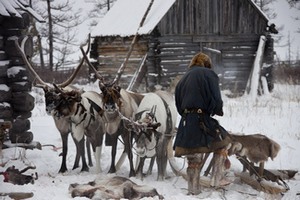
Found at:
<point>122,68</point>
<point>37,77</point>
<point>98,76</point>
<point>68,81</point>
<point>21,51</point>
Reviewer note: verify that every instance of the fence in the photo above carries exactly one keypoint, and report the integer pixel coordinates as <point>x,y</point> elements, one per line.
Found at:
<point>62,74</point>
<point>287,72</point>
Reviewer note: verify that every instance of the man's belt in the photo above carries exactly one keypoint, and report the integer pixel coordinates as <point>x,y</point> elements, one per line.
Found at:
<point>193,110</point>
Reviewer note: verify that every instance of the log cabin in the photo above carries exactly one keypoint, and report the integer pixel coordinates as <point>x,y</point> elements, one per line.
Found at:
<point>228,31</point>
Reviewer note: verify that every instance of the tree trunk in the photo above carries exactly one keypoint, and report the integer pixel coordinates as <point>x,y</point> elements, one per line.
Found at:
<point>50,36</point>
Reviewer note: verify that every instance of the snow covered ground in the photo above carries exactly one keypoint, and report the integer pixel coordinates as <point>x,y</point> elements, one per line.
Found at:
<point>277,116</point>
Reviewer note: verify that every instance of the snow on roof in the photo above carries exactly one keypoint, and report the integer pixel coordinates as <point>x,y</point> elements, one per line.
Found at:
<point>259,10</point>
<point>124,17</point>
<point>15,8</point>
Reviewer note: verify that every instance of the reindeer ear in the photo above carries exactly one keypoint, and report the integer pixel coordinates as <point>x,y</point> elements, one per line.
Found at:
<point>118,88</point>
<point>102,88</point>
<point>74,95</point>
<point>78,97</point>
<point>45,88</point>
<point>155,125</point>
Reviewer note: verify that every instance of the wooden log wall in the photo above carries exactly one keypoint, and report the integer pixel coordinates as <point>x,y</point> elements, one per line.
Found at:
<point>207,17</point>
<point>110,53</point>
<point>16,103</point>
<point>233,65</point>
<point>169,56</point>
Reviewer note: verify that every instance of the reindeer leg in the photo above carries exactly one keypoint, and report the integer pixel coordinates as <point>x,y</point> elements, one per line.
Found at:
<point>88,150</point>
<point>128,148</point>
<point>261,169</point>
<point>78,154</point>
<point>149,172</point>
<point>161,159</point>
<point>114,142</point>
<point>84,167</point>
<point>63,167</point>
<point>139,171</point>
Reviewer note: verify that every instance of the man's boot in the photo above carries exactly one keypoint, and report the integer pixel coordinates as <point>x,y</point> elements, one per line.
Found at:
<point>193,173</point>
<point>220,163</point>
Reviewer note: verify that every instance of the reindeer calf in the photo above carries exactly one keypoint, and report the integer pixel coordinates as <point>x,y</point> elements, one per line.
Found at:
<point>256,147</point>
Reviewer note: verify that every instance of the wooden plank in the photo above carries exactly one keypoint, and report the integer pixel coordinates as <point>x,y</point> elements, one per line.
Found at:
<point>226,38</point>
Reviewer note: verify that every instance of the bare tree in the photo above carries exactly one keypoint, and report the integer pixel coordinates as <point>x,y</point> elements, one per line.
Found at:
<point>295,4</point>
<point>58,33</point>
<point>264,5</point>
<point>100,8</point>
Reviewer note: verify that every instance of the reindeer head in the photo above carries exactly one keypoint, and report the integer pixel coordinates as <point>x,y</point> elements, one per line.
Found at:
<point>147,137</point>
<point>65,103</point>
<point>111,97</point>
<point>52,94</point>
<point>147,140</point>
<point>52,98</point>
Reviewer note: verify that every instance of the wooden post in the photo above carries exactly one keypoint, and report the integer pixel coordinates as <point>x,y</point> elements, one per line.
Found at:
<point>253,82</point>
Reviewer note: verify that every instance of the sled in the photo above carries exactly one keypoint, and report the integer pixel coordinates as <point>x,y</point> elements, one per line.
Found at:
<point>271,181</point>
<point>261,185</point>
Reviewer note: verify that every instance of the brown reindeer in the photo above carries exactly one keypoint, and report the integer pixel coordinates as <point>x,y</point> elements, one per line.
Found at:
<point>115,100</point>
<point>51,99</point>
<point>256,147</point>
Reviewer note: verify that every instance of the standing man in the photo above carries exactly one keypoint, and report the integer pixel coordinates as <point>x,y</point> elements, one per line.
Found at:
<point>198,98</point>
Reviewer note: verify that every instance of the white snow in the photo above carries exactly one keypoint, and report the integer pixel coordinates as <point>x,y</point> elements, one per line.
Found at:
<point>277,116</point>
<point>124,20</point>
<point>13,71</point>
<point>4,104</point>
<point>9,6</point>
<point>4,87</point>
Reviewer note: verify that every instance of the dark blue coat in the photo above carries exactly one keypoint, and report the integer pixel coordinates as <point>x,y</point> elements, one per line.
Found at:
<point>198,88</point>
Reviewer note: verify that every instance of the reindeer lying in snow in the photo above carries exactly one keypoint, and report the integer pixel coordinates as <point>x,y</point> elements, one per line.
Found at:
<point>112,188</point>
<point>257,148</point>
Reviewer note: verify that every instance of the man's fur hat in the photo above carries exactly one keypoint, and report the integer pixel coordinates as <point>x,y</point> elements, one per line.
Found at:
<point>202,60</point>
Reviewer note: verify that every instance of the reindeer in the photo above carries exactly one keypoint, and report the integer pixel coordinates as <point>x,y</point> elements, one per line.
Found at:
<point>51,95</point>
<point>85,114</point>
<point>153,130</point>
<point>116,187</point>
<point>115,100</point>
<point>256,147</point>
<point>156,142</point>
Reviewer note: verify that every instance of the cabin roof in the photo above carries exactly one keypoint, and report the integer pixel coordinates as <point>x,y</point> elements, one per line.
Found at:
<point>124,17</point>
<point>15,8</point>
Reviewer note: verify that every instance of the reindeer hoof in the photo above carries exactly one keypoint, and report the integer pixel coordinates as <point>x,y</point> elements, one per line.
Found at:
<point>131,174</point>
<point>112,170</point>
<point>62,170</point>
<point>85,169</point>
